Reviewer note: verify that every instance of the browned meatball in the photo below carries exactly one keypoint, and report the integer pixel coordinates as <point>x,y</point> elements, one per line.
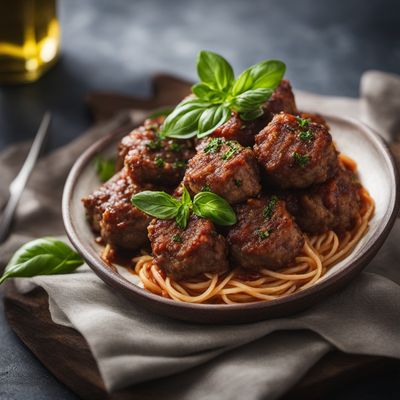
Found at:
<point>187,253</point>
<point>265,235</point>
<point>332,205</point>
<point>224,167</point>
<point>134,139</point>
<point>295,156</point>
<point>110,212</point>
<point>244,131</point>
<point>282,100</point>
<point>150,159</point>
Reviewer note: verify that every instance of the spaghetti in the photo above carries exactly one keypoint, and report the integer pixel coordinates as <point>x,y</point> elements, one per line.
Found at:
<point>319,253</point>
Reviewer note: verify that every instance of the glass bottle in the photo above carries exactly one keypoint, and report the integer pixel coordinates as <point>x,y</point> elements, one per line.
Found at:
<point>29,39</point>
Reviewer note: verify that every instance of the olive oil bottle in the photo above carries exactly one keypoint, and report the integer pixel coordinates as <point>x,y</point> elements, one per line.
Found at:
<point>29,39</point>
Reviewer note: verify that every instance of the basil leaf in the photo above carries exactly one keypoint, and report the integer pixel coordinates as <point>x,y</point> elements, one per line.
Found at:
<point>251,99</point>
<point>210,205</point>
<point>211,119</point>
<point>265,74</point>
<point>46,256</point>
<point>250,115</point>
<point>214,70</point>
<point>183,121</point>
<point>186,200</point>
<point>105,168</point>
<point>182,216</point>
<point>204,92</point>
<point>157,204</point>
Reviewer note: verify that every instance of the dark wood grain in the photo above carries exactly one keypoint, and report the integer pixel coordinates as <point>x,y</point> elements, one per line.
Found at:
<point>29,317</point>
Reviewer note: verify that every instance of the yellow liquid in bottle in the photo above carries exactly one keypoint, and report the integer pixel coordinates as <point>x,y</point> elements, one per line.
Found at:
<point>29,39</point>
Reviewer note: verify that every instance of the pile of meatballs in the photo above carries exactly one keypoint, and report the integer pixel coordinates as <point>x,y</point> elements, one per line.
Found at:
<point>280,172</point>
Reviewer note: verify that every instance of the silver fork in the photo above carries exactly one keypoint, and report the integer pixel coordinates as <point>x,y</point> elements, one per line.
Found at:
<point>17,186</point>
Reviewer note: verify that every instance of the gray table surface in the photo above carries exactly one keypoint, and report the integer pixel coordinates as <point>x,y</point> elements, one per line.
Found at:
<point>117,45</point>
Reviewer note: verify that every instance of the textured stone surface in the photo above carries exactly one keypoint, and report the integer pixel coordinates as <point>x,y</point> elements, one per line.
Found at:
<point>116,45</point>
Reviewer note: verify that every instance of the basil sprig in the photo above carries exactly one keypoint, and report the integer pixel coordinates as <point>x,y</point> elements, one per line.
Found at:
<point>218,94</point>
<point>208,205</point>
<point>46,256</point>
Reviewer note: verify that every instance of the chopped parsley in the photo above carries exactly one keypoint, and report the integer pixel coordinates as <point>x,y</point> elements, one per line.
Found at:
<point>159,162</point>
<point>306,136</point>
<point>238,182</point>
<point>301,160</point>
<point>177,238</point>
<point>206,188</point>
<point>213,145</point>
<point>175,147</point>
<point>303,122</point>
<point>154,144</point>
<point>263,234</point>
<point>179,164</point>
<point>233,149</point>
<point>270,208</point>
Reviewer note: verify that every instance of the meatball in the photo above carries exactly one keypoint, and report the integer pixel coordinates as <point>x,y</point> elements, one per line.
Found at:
<point>332,205</point>
<point>187,253</point>
<point>110,212</point>
<point>265,235</point>
<point>225,168</point>
<point>244,131</point>
<point>150,159</point>
<point>282,100</point>
<point>296,153</point>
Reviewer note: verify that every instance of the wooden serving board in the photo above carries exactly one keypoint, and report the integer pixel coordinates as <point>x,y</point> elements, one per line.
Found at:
<point>29,316</point>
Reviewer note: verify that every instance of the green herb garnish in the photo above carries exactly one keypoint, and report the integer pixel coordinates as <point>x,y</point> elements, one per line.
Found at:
<point>303,122</point>
<point>306,136</point>
<point>270,208</point>
<point>205,204</point>
<point>175,147</point>
<point>301,160</point>
<point>177,238</point>
<point>238,182</point>
<point>154,144</point>
<point>213,145</point>
<point>159,162</point>
<point>211,206</point>
<point>263,234</point>
<point>218,94</point>
<point>233,149</point>
<point>206,188</point>
<point>105,168</point>
<point>46,256</point>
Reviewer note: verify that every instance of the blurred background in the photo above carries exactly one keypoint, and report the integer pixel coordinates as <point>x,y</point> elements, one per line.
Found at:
<point>118,45</point>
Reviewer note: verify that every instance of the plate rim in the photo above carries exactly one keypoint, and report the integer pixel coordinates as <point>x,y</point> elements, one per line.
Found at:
<point>107,274</point>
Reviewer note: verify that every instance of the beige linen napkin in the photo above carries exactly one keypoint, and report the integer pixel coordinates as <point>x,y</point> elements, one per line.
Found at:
<point>172,359</point>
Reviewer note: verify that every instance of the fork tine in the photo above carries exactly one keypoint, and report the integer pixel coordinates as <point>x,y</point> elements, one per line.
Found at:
<point>17,186</point>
